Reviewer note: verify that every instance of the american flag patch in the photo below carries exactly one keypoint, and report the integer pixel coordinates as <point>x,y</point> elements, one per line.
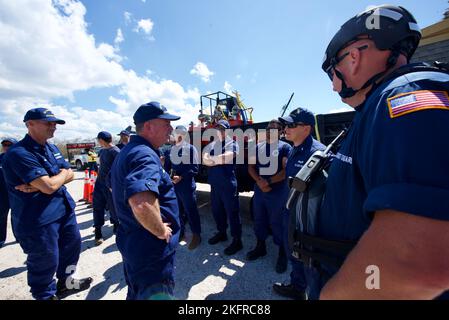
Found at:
<point>417,100</point>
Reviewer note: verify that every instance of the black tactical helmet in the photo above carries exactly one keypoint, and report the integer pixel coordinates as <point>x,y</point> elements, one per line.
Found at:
<point>390,27</point>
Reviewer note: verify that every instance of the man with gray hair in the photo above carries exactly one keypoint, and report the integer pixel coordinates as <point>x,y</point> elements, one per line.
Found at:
<point>182,164</point>
<point>43,216</point>
<point>146,206</point>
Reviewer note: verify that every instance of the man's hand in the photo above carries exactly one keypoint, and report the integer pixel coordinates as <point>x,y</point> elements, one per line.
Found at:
<point>167,233</point>
<point>263,184</point>
<point>266,189</point>
<point>207,160</point>
<point>70,175</point>
<point>26,188</point>
<point>176,179</point>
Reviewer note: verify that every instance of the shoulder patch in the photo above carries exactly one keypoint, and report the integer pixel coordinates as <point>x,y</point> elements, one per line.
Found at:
<point>409,102</point>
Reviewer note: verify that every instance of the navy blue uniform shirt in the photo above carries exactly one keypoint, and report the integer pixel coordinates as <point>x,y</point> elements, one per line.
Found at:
<point>269,157</point>
<point>226,172</point>
<point>395,156</point>
<point>183,159</point>
<point>24,162</point>
<point>300,154</point>
<point>137,168</point>
<point>107,156</point>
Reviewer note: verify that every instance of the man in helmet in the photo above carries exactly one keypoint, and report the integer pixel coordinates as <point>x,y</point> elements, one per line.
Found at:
<point>382,194</point>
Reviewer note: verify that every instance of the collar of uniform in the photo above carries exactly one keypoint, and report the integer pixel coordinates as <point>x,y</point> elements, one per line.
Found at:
<point>28,140</point>
<point>307,143</point>
<point>139,140</point>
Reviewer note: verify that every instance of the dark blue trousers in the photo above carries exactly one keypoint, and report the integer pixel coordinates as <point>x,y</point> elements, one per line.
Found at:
<point>156,291</point>
<point>4,209</point>
<point>225,205</point>
<point>267,207</point>
<point>186,194</point>
<point>102,200</point>
<point>50,249</point>
<point>297,276</point>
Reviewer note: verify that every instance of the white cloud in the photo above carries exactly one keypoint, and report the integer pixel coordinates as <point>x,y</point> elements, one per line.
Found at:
<point>46,52</point>
<point>128,16</point>
<point>200,69</point>
<point>119,37</point>
<point>145,25</point>
<point>109,52</point>
<point>138,90</point>
<point>227,87</point>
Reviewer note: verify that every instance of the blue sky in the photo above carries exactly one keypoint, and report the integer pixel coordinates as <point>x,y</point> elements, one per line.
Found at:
<point>67,55</point>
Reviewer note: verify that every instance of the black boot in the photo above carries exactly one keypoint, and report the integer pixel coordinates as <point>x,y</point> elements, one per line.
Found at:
<point>218,237</point>
<point>289,291</point>
<point>75,286</point>
<point>259,251</point>
<point>98,236</point>
<point>235,246</point>
<point>281,264</point>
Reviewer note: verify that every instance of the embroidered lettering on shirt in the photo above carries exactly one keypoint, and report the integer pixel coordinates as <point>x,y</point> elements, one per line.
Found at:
<point>343,158</point>
<point>299,163</point>
<point>409,102</point>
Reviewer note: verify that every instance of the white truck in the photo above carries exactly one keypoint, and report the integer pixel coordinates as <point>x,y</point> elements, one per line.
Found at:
<point>78,155</point>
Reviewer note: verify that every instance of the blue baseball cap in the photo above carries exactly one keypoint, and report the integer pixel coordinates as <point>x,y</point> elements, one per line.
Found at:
<point>10,140</point>
<point>104,135</point>
<point>125,133</point>
<point>152,110</point>
<point>181,129</point>
<point>42,114</point>
<point>223,124</point>
<point>299,115</point>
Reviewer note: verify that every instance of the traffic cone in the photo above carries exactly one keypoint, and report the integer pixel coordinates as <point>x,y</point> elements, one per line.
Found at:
<point>86,186</point>
<point>91,187</point>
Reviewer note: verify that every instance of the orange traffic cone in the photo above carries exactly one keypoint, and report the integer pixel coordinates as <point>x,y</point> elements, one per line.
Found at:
<point>91,187</point>
<point>86,186</point>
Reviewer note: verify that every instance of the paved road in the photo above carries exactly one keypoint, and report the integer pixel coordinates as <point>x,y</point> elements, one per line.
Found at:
<point>204,273</point>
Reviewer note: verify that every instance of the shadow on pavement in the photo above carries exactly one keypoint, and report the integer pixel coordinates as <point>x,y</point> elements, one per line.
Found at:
<point>11,272</point>
<point>112,276</point>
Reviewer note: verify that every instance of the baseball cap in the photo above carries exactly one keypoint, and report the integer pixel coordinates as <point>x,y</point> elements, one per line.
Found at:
<point>10,140</point>
<point>152,110</point>
<point>42,114</point>
<point>299,115</point>
<point>124,132</point>
<point>181,129</point>
<point>104,135</point>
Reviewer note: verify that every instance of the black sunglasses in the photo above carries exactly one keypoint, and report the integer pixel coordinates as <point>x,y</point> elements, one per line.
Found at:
<point>294,125</point>
<point>336,60</point>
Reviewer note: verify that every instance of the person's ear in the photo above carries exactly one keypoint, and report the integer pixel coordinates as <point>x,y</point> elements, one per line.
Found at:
<point>354,60</point>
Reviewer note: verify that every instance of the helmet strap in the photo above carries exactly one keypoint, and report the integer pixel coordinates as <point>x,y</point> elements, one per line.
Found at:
<point>347,92</point>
